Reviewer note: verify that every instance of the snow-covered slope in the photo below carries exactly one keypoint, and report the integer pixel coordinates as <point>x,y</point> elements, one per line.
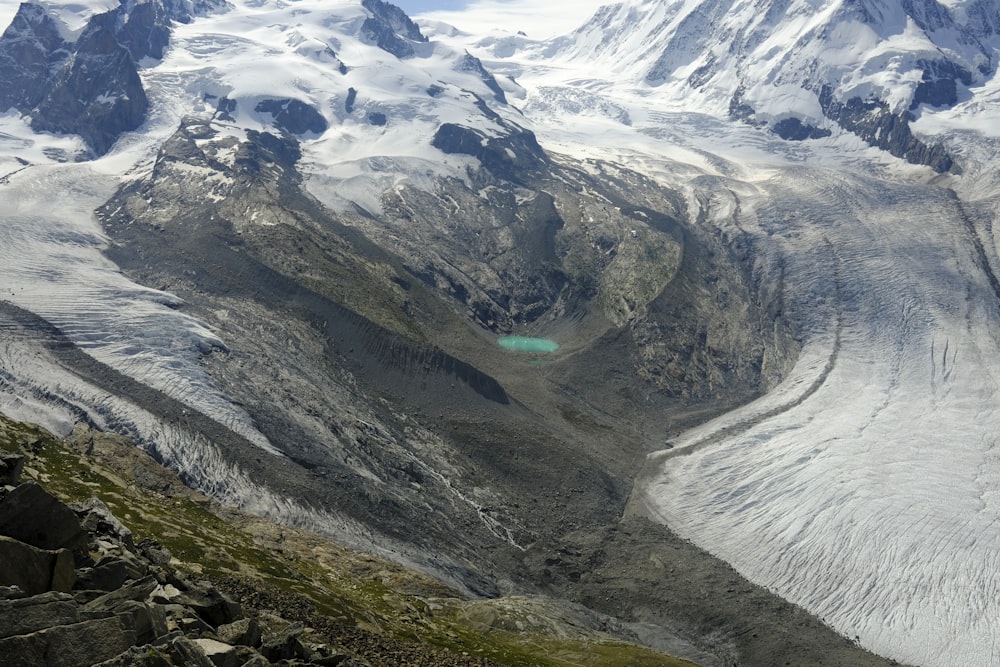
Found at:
<point>803,69</point>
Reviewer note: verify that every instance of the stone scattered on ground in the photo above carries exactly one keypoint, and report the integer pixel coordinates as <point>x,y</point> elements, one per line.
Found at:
<point>75,590</point>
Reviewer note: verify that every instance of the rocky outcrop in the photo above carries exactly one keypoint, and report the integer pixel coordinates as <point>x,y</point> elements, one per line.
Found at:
<point>391,29</point>
<point>793,129</point>
<point>97,94</point>
<point>123,604</point>
<point>90,87</point>
<point>472,64</point>
<point>880,127</point>
<point>293,116</point>
<point>30,49</point>
<point>506,156</point>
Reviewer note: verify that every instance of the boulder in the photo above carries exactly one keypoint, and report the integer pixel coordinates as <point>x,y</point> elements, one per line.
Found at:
<point>138,590</point>
<point>257,661</point>
<point>108,574</point>
<point>146,656</point>
<point>33,516</point>
<point>97,519</point>
<point>84,643</point>
<point>180,618</point>
<point>213,606</point>
<point>35,570</point>
<point>189,654</point>
<point>27,615</point>
<point>149,620</point>
<point>11,466</point>
<point>220,653</point>
<point>245,632</point>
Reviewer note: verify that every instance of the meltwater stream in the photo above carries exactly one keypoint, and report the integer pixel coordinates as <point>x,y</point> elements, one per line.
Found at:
<point>866,487</point>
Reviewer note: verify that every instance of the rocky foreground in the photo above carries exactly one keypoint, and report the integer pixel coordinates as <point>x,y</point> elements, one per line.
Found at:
<point>190,586</point>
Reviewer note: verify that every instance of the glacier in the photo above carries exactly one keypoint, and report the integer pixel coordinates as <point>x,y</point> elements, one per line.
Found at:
<point>865,486</point>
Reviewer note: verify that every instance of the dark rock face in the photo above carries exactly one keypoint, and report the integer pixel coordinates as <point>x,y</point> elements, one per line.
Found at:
<point>939,84</point>
<point>31,515</point>
<point>224,110</point>
<point>98,94</point>
<point>11,466</point>
<point>30,48</point>
<point>91,88</point>
<point>84,643</point>
<point>472,64</point>
<point>504,156</point>
<point>390,29</point>
<point>793,129</point>
<point>293,116</point>
<point>879,127</point>
<point>34,570</point>
<point>146,32</point>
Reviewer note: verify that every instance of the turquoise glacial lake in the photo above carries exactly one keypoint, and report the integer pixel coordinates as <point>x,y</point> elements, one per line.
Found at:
<point>527,344</point>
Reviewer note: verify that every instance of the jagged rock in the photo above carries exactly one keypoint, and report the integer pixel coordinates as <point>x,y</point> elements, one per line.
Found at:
<point>108,575</point>
<point>96,518</point>
<point>150,620</point>
<point>293,116</point>
<point>185,620</point>
<point>98,94</point>
<point>135,590</point>
<point>84,643</point>
<point>220,653</point>
<point>213,606</point>
<point>165,594</point>
<point>139,656</point>
<point>11,466</point>
<point>472,64</point>
<point>284,644</point>
<point>146,32</point>
<point>272,625</point>
<point>35,570</point>
<point>33,516</point>
<point>245,631</point>
<point>27,615</point>
<point>390,29</point>
<point>30,48</point>
<point>873,121</point>
<point>257,661</point>
<point>190,654</point>
<point>154,552</point>
<point>12,593</point>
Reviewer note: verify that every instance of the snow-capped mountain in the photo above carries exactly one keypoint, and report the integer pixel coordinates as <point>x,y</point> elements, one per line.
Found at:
<point>803,69</point>
<point>276,242</point>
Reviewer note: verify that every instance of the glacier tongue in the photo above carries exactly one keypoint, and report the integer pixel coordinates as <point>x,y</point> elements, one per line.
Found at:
<point>865,487</point>
<point>51,264</point>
